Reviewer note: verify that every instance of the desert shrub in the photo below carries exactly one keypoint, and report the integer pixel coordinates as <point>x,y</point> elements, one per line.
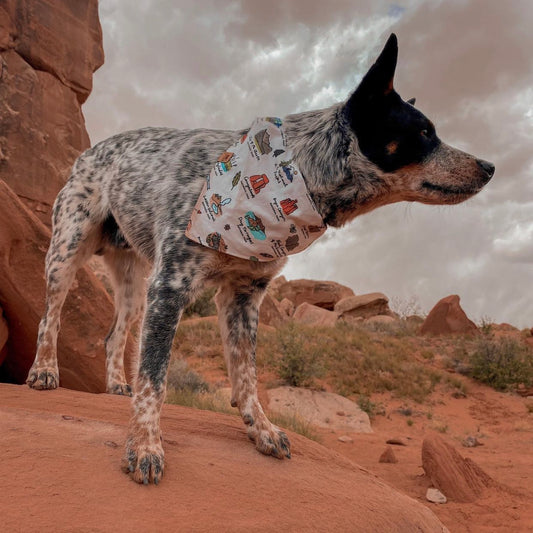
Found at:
<point>501,363</point>
<point>299,362</point>
<point>486,325</point>
<point>405,307</point>
<point>368,406</point>
<point>204,305</point>
<point>204,400</point>
<point>357,361</point>
<point>181,378</point>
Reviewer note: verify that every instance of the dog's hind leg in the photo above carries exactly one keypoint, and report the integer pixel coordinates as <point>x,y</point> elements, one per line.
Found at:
<point>127,271</point>
<point>238,314</point>
<point>74,240</point>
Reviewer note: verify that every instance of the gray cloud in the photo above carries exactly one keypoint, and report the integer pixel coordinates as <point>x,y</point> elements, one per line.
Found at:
<point>469,64</point>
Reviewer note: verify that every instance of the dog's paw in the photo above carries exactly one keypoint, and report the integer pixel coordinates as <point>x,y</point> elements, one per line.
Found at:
<point>270,440</point>
<point>144,464</point>
<point>43,378</point>
<point>122,389</point>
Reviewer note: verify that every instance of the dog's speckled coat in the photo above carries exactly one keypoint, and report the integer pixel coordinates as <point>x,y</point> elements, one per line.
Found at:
<point>130,198</point>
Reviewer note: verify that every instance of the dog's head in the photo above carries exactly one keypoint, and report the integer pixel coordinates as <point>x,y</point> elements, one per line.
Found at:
<point>412,161</point>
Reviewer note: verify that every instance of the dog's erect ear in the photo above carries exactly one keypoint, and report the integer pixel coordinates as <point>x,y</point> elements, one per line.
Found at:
<point>411,101</point>
<point>378,81</point>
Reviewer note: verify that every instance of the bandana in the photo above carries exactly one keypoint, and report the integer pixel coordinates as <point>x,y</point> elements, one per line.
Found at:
<point>255,203</point>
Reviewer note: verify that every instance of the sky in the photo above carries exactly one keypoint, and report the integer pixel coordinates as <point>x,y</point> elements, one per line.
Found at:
<point>469,63</point>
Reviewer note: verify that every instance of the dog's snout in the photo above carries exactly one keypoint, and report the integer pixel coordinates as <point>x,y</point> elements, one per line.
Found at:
<point>487,167</point>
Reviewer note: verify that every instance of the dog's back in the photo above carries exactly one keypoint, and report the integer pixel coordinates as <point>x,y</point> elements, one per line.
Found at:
<point>146,180</point>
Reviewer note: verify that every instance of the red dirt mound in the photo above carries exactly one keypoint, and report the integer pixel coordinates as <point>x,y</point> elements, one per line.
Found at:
<point>61,455</point>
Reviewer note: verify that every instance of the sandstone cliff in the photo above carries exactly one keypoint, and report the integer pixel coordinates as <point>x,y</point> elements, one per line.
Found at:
<point>49,50</point>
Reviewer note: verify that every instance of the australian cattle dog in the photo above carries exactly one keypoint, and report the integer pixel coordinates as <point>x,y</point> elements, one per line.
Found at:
<point>130,198</point>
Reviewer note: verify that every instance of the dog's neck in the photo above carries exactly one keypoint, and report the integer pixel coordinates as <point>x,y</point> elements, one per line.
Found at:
<point>341,181</point>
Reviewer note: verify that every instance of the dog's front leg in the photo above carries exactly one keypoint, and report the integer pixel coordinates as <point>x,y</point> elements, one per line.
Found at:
<point>238,312</point>
<point>166,298</point>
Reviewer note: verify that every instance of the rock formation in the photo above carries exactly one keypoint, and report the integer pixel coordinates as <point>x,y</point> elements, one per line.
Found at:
<point>270,312</point>
<point>363,306</point>
<point>320,293</point>
<point>447,317</point>
<point>4,335</point>
<point>214,478</point>
<point>313,315</point>
<point>459,479</point>
<point>321,409</point>
<point>86,317</point>
<point>49,50</point>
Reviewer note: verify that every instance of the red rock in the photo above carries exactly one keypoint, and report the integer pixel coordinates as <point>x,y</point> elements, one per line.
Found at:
<point>461,480</point>
<point>270,312</point>
<point>323,294</point>
<point>312,315</point>
<point>388,456</point>
<point>275,284</point>
<point>4,334</point>
<point>447,317</point>
<point>363,306</point>
<point>208,458</point>
<point>86,317</point>
<point>48,52</point>
<point>287,306</point>
<point>61,37</point>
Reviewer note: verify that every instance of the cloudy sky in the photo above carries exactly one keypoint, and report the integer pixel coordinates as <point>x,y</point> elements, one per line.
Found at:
<point>468,63</point>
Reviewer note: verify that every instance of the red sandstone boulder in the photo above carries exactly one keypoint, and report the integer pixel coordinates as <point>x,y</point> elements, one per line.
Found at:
<point>388,456</point>
<point>459,479</point>
<point>447,317</point>
<point>86,317</point>
<point>363,306</point>
<point>270,312</point>
<point>312,315</point>
<point>323,294</point>
<point>275,284</point>
<point>287,307</point>
<point>48,53</point>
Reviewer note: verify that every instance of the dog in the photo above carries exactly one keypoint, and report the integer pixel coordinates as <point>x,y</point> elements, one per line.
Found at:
<point>130,197</point>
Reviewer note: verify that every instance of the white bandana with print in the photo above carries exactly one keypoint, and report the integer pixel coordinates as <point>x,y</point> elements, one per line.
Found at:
<point>255,203</point>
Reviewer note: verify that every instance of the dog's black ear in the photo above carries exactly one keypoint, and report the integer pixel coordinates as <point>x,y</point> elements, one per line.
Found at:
<point>411,101</point>
<point>378,81</point>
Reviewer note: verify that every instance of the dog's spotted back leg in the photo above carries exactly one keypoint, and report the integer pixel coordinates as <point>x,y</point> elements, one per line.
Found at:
<point>74,240</point>
<point>238,313</point>
<point>127,272</point>
<point>169,291</point>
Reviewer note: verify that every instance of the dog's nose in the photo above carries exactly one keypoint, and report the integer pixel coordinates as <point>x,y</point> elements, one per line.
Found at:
<point>487,167</point>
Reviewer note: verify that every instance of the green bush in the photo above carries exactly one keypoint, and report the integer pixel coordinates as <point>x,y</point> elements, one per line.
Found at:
<point>367,405</point>
<point>300,362</point>
<point>501,363</point>
<point>181,378</point>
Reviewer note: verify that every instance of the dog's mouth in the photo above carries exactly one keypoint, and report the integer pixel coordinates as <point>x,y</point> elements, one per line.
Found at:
<point>451,191</point>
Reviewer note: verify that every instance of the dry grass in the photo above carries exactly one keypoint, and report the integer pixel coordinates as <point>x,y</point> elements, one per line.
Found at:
<point>353,360</point>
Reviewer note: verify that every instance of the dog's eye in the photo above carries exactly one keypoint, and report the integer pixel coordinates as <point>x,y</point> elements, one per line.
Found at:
<point>424,133</point>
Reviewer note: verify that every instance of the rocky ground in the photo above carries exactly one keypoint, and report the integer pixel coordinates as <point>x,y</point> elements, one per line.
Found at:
<point>491,429</point>
<point>61,452</point>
